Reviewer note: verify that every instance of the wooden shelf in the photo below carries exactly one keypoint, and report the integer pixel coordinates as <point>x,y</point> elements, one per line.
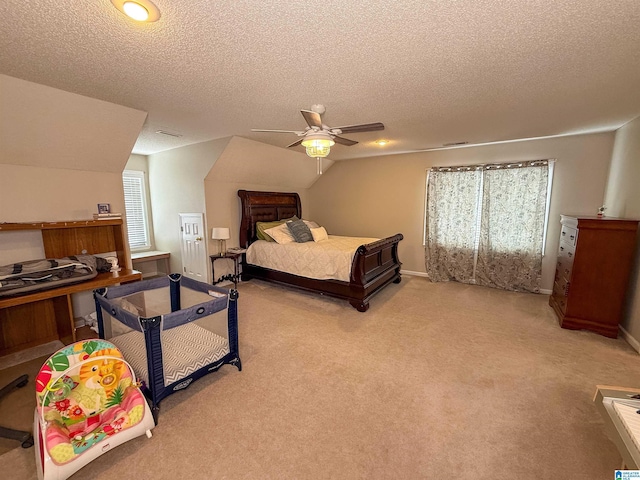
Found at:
<point>58,225</point>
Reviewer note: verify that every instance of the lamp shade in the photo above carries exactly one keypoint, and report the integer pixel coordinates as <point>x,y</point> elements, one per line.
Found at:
<point>318,144</point>
<point>220,233</point>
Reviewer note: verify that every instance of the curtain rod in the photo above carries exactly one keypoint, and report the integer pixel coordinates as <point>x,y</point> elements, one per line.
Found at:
<point>494,166</point>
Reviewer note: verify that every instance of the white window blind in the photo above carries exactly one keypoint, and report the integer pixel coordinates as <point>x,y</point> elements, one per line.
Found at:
<point>135,203</point>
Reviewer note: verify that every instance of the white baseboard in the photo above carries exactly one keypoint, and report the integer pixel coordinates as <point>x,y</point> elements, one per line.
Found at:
<point>543,291</point>
<point>414,274</point>
<point>630,340</point>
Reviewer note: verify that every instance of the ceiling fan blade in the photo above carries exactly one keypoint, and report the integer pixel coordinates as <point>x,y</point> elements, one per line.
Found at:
<point>344,141</point>
<point>365,127</point>
<point>313,119</point>
<point>295,144</point>
<point>277,131</point>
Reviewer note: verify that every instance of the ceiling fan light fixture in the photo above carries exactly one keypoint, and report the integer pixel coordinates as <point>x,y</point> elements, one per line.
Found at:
<point>318,145</point>
<point>382,142</point>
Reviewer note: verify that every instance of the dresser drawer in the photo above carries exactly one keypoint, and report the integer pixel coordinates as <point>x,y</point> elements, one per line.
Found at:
<point>559,296</point>
<point>568,235</point>
<point>567,252</point>
<point>564,266</point>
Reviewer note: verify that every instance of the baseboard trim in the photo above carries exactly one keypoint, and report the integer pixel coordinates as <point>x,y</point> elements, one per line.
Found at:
<point>411,273</point>
<point>414,274</point>
<point>630,340</point>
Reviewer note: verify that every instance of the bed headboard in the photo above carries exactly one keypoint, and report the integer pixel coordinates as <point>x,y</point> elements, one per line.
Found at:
<point>265,207</point>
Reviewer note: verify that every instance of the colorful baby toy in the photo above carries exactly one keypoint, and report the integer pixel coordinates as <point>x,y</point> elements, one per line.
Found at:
<point>88,402</point>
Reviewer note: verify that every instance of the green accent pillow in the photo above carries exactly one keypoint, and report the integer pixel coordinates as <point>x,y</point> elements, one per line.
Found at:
<point>262,226</point>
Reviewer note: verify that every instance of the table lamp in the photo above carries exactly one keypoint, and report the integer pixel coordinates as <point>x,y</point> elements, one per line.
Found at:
<point>222,235</point>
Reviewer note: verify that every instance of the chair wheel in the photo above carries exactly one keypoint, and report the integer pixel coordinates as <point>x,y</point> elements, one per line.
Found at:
<point>28,443</point>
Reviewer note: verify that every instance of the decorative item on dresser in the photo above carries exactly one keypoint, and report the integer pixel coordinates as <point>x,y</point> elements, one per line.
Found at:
<point>592,272</point>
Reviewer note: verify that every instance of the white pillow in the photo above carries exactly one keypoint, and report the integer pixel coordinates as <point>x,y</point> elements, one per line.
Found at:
<point>310,224</point>
<point>319,234</point>
<point>280,234</point>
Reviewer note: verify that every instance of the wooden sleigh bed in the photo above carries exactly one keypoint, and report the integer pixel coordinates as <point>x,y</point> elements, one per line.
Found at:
<point>375,265</point>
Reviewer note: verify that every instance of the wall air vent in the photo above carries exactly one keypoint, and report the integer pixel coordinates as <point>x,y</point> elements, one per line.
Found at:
<point>170,134</point>
<point>454,144</point>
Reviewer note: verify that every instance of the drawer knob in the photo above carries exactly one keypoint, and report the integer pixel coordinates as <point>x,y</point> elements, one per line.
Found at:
<point>570,254</point>
<point>572,237</point>
<point>562,249</point>
<point>564,233</point>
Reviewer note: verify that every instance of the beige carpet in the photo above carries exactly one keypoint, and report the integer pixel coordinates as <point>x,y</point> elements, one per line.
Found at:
<point>435,381</point>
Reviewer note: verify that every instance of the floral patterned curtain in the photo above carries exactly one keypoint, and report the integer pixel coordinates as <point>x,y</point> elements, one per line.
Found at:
<point>452,219</point>
<point>485,224</point>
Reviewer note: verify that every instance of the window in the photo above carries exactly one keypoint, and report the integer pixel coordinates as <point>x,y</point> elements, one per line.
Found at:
<point>485,224</point>
<point>135,204</point>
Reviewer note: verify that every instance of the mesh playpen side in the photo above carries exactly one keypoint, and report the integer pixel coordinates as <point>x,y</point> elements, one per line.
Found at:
<point>172,330</point>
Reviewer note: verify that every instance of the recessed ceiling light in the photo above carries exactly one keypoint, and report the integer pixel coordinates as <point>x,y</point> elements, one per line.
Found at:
<point>381,142</point>
<point>139,10</point>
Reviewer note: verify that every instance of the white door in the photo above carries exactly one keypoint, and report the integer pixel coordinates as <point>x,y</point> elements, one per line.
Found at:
<point>193,245</point>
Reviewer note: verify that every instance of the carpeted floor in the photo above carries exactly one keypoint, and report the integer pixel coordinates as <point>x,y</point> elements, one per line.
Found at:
<point>434,381</point>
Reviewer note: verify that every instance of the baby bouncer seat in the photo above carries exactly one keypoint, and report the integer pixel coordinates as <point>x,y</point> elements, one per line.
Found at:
<point>88,401</point>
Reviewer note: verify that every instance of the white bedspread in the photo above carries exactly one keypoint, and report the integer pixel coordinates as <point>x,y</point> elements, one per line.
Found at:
<point>328,259</point>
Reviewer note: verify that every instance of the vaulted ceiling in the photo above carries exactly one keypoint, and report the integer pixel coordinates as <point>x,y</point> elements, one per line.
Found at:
<point>434,72</point>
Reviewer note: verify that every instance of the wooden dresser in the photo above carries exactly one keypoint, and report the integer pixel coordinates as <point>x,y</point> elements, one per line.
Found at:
<point>40,317</point>
<point>595,257</point>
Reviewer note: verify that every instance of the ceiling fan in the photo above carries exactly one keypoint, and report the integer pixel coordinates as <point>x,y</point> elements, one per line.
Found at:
<point>318,138</point>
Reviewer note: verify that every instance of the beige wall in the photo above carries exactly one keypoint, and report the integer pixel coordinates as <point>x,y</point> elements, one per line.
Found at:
<point>249,165</point>
<point>176,183</point>
<point>622,199</point>
<point>61,154</point>
<point>381,196</point>
<point>46,127</point>
<point>205,177</point>
<point>53,178</point>
<point>56,163</point>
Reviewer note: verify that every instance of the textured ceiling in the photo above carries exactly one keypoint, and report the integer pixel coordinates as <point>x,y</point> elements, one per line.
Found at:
<point>433,72</point>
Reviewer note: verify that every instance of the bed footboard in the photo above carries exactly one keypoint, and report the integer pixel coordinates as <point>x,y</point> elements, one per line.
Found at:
<point>374,266</point>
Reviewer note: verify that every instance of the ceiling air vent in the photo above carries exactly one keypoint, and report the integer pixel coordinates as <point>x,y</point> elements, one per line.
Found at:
<point>454,144</point>
<point>169,134</point>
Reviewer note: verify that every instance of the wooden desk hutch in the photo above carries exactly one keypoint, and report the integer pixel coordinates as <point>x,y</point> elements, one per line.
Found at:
<point>37,318</point>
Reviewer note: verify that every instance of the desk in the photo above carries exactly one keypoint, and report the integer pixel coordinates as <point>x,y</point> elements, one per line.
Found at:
<point>152,256</point>
<point>236,257</point>
<point>40,317</point>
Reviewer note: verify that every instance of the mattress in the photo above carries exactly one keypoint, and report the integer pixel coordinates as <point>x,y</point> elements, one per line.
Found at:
<point>324,260</point>
<point>185,349</point>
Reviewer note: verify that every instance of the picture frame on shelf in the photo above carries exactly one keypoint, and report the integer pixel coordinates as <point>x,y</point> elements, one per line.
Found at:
<point>104,208</point>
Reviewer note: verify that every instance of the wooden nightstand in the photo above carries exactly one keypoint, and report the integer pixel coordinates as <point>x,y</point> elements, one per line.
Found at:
<point>237,258</point>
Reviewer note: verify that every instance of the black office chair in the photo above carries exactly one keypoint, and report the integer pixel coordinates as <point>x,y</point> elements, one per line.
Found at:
<point>25,437</point>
